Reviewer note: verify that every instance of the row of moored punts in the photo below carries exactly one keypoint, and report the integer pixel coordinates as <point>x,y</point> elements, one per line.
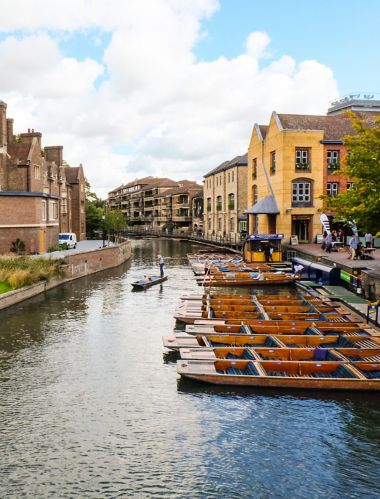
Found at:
<point>274,340</point>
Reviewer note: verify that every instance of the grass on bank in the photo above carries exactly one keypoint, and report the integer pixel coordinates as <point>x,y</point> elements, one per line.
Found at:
<point>19,271</point>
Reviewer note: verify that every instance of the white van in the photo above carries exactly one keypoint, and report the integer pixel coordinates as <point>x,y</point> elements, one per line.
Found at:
<point>68,238</point>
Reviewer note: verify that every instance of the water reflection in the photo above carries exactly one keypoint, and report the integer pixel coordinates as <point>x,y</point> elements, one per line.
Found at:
<point>90,406</point>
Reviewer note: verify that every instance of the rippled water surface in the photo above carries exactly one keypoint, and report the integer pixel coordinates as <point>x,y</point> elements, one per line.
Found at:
<point>91,406</point>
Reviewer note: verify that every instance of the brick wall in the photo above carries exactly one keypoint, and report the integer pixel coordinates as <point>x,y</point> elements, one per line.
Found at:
<point>22,220</point>
<point>96,260</point>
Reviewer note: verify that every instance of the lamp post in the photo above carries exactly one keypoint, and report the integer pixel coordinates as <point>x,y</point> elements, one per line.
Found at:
<point>103,229</point>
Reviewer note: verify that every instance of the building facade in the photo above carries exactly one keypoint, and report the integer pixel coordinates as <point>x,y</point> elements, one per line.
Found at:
<point>153,202</point>
<point>37,192</point>
<point>292,170</point>
<point>225,199</point>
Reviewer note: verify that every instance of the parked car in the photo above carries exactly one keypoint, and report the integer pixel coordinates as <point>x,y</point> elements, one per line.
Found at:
<point>68,238</point>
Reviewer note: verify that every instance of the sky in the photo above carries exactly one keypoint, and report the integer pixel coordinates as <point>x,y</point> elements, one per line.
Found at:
<point>173,88</point>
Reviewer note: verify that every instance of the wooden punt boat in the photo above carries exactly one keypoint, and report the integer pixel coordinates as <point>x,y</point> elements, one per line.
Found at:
<point>337,342</point>
<point>361,354</point>
<point>283,374</point>
<point>262,353</point>
<point>148,281</point>
<point>209,341</point>
<point>247,280</point>
<point>281,327</point>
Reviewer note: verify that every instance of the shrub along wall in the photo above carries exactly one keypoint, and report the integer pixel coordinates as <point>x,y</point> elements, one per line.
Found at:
<point>75,266</point>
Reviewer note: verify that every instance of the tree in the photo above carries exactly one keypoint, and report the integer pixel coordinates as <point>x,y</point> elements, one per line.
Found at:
<point>94,212</point>
<point>361,203</point>
<point>115,222</point>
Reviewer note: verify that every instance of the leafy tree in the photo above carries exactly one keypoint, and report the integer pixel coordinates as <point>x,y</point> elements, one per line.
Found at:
<point>361,203</point>
<point>115,222</point>
<point>94,212</point>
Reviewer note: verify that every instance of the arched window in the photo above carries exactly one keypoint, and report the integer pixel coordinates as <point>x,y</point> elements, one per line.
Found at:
<point>219,203</point>
<point>254,194</point>
<point>231,201</point>
<point>302,194</point>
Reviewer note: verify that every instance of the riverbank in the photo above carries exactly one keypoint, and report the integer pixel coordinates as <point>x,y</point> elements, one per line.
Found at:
<point>75,265</point>
<point>367,270</point>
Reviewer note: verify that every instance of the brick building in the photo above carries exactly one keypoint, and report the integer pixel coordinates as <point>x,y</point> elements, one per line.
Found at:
<point>156,202</point>
<point>39,195</point>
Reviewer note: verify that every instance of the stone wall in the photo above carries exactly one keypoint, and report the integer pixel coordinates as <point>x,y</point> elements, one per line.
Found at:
<point>89,262</point>
<point>77,266</point>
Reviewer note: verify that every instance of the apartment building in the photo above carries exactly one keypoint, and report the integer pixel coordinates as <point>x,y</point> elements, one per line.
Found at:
<point>292,166</point>
<point>225,199</point>
<point>156,202</point>
<point>37,191</point>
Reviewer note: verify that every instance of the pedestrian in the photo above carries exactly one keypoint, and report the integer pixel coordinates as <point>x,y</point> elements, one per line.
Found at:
<point>328,243</point>
<point>267,253</point>
<point>161,263</point>
<point>368,239</point>
<point>353,246</point>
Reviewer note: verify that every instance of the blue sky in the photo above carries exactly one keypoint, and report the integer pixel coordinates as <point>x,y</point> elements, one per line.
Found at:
<point>342,34</point>
<point>116,81</point>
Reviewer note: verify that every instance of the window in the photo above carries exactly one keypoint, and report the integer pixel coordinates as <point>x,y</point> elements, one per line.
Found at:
<point>273,162</point>
<point>254,168</point>
<point>36,171</point>
<point>209,223</point>
<point>332,189</point>
<point>219,224</point>
<point>231,201</point>
<point>43,210</point>
<point>302,159</point>
<point>54,211</point>
<point>333,160</point>
<point>243,226</point>
<point>219,203</point>
<point>208,204</point>
<point>301,193</point>
<point>254,194</point>
<point>228,177</point>
<point>232,225</point>
<point>64,206</point>
<point>232,176</point>
<point>350,185</point>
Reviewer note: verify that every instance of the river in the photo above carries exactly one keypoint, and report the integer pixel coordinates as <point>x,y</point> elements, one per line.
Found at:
<point>91,405</point>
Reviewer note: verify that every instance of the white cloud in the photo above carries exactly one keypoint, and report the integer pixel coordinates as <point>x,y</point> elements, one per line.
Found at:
<point>176,116</point>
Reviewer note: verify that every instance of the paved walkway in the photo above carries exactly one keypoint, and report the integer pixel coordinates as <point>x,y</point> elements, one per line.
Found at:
<point>338,257</point>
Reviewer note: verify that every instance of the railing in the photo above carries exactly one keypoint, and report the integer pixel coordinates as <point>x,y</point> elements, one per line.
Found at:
<point>234,241</point>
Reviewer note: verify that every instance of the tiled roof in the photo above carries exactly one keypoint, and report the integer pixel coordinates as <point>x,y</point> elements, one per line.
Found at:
<point>263,130</point>
<point>237,161</point>
<point>335,127</point>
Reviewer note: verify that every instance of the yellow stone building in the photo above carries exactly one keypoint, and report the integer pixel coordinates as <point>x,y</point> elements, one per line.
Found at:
<point>289,164</point>
<point>225,199</point>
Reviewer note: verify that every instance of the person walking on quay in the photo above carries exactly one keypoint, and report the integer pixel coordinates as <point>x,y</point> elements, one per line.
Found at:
<point>161,263</point>
<point>353,246</point>
<point>368,239</point>
<point>268,250</point>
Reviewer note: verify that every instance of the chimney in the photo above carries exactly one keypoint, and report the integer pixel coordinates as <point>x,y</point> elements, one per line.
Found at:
<point>54,153</point>
<point>9,130</point>
<point>3,124</point>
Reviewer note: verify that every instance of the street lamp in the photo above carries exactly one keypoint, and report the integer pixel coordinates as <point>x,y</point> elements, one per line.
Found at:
<point>103,229</point>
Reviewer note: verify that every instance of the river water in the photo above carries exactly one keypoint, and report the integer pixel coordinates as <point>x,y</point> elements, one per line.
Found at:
<point>91,406</point>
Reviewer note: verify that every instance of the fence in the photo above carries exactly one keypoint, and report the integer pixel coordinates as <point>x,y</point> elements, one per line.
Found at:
<point>234,241</point>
